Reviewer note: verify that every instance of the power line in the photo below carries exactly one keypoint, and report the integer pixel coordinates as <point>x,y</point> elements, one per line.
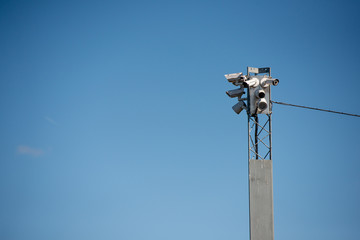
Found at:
<point>318,109</point>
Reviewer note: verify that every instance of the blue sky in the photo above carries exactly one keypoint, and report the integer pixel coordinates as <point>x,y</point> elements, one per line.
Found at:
<point>115,123</point>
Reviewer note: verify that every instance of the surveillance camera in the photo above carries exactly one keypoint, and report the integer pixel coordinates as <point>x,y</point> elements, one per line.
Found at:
<point>236,78</point>
<point>275,82</point>
<point>265,82</point>
<point>235,93</point>
<point>262,104</point>
<point>239,107</point>
<point>233,77</point>
<point>259,93</point>
<point>253,82</point>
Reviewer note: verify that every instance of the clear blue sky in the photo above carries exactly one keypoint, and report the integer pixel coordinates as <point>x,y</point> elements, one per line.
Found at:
<point>115,123</point>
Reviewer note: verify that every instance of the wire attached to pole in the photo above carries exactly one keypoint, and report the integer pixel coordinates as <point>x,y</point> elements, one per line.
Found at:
<point>318,109</point>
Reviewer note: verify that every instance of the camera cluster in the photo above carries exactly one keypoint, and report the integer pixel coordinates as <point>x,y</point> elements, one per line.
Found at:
<point>258,88</point>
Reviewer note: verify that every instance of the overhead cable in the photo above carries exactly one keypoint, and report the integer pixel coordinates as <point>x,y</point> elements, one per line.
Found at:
<point>318,109</point>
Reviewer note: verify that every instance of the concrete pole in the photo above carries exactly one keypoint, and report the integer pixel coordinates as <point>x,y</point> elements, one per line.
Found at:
<point>261,209</point>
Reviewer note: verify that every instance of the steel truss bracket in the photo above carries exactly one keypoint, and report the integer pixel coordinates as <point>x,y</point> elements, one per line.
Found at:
<point>259,127</point>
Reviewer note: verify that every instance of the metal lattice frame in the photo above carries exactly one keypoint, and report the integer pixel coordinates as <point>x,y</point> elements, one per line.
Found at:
<point>259,127</point>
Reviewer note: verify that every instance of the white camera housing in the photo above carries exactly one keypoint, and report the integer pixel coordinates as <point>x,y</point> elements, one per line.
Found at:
<point>233,76</point>
<point>236,78</point>
<point>252,82</point>
<point>266,82</point>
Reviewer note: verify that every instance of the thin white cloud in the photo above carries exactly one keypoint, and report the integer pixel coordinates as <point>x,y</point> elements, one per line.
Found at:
<point>26,150</point>
<point>50,120</point>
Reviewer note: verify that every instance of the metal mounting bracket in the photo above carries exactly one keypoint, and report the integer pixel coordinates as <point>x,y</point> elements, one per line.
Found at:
<point>258,70</point>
